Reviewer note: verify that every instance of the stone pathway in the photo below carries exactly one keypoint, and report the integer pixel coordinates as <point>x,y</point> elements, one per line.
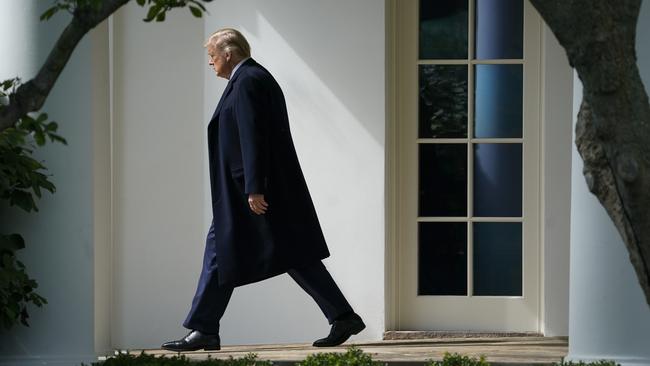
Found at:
<point>510,351</point>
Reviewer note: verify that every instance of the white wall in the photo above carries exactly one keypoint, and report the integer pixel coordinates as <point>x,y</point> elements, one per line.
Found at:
<point>59,239</point>
<point>609,317</point>
<point>158,181</point>
<point>329,59</point>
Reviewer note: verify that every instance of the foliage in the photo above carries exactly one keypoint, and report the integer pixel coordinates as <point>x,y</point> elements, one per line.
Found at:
<point>581,363</point>
<point>353,357</point>
<point>22,179</point>
<point>16,288</point>
<point>456,359</point>
<point>160,7</point>
<point>128,359</point>
<point>157,9</point>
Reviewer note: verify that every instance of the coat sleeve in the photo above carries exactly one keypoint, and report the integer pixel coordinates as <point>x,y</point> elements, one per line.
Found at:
<point>252,122</point>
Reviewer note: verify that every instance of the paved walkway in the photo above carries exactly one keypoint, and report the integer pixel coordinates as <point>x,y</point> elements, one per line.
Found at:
<point>497,350</point>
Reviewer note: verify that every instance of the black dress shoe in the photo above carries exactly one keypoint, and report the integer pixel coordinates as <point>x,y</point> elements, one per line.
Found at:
<point>341,330</point>
<point>194,340</point>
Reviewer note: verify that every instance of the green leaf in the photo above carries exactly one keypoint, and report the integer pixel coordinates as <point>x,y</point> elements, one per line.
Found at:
<point>41,118</point>
<point>15,137</point>
<point>151,14</point>
<point>7,84</point>
<point>51,127</point>
<point>30,163</point>
<point>54,137</point>
<point>140,2</point>
<point>197,3</point>
<point>39,137</point>
<point>48,13</point>
<point>46,184</point>
<point>26,123</point>
<point>160,17</point>
<point>38,302</point>
<point>196,11</point>
<point>12,242</point>
<point>36,188</point>
<point>23,200</point>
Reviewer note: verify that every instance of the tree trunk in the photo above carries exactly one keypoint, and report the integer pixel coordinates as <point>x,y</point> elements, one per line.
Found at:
<point>613,129</point>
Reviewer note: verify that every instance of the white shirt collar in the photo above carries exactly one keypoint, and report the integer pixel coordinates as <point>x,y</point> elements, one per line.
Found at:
<point>237,66</point>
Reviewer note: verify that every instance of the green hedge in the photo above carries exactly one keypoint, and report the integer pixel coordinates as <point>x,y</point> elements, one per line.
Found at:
<point>455,359</point>
<point>128,359</point>
<point>352,357</point>
<point>597,363</point>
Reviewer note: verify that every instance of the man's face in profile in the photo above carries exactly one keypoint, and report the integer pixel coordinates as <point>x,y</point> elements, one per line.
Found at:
<point>217,60</point>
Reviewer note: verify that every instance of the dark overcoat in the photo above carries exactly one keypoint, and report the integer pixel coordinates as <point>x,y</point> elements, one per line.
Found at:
<point>251,151</point>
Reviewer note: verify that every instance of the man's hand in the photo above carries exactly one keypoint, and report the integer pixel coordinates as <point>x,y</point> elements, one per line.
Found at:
<point>257,203</point>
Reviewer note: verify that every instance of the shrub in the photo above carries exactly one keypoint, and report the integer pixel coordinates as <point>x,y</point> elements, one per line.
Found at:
<point>16,288</point>
<point>22,179</point>
<point>353,357</point>
<point>456,359</point>
<point>581,363</point>
<point>128,359</point>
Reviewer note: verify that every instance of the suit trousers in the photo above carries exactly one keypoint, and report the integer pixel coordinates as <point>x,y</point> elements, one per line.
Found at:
<point>210,300</point>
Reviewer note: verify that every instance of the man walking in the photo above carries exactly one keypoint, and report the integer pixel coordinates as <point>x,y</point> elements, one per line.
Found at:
<point>264,221</point>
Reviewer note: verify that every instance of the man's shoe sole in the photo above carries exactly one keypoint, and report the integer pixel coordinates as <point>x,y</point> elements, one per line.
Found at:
<point>210,348</point>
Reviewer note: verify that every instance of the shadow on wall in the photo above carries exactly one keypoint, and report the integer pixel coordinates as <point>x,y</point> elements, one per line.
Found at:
<point>327,55</point>
<point>59,236</point>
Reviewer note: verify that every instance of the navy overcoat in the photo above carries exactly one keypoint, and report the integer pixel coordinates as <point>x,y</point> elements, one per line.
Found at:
<point>250,150</point>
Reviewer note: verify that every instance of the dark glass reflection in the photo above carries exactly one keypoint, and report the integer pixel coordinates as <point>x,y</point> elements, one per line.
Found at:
<point>499,97</point>
<point>497,259</point>
<point>442,258</point>
<point>443,101</point>
<point>443,180</point>
<point>443,29</point>
<point>497,180</point>
<point>499,29</point>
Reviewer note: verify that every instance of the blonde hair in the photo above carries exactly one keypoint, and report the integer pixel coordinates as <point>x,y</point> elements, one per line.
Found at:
<point>228,39</point>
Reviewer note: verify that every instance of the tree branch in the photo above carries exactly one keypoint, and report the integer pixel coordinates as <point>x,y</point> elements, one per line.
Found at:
<point>31,96</point>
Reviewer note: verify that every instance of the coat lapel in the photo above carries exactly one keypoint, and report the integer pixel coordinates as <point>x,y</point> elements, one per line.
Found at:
<point>223,97</point>
<point>228,89</point>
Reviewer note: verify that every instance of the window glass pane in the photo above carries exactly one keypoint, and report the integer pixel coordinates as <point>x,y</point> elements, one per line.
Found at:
<point>499,29</point>
<point>443,29</point>
<point>497,180</point>
<point>443,180</point>
<point>498,101</point>
<point>497,259</point>
<point>443,101</point>
<point>442,258</point>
